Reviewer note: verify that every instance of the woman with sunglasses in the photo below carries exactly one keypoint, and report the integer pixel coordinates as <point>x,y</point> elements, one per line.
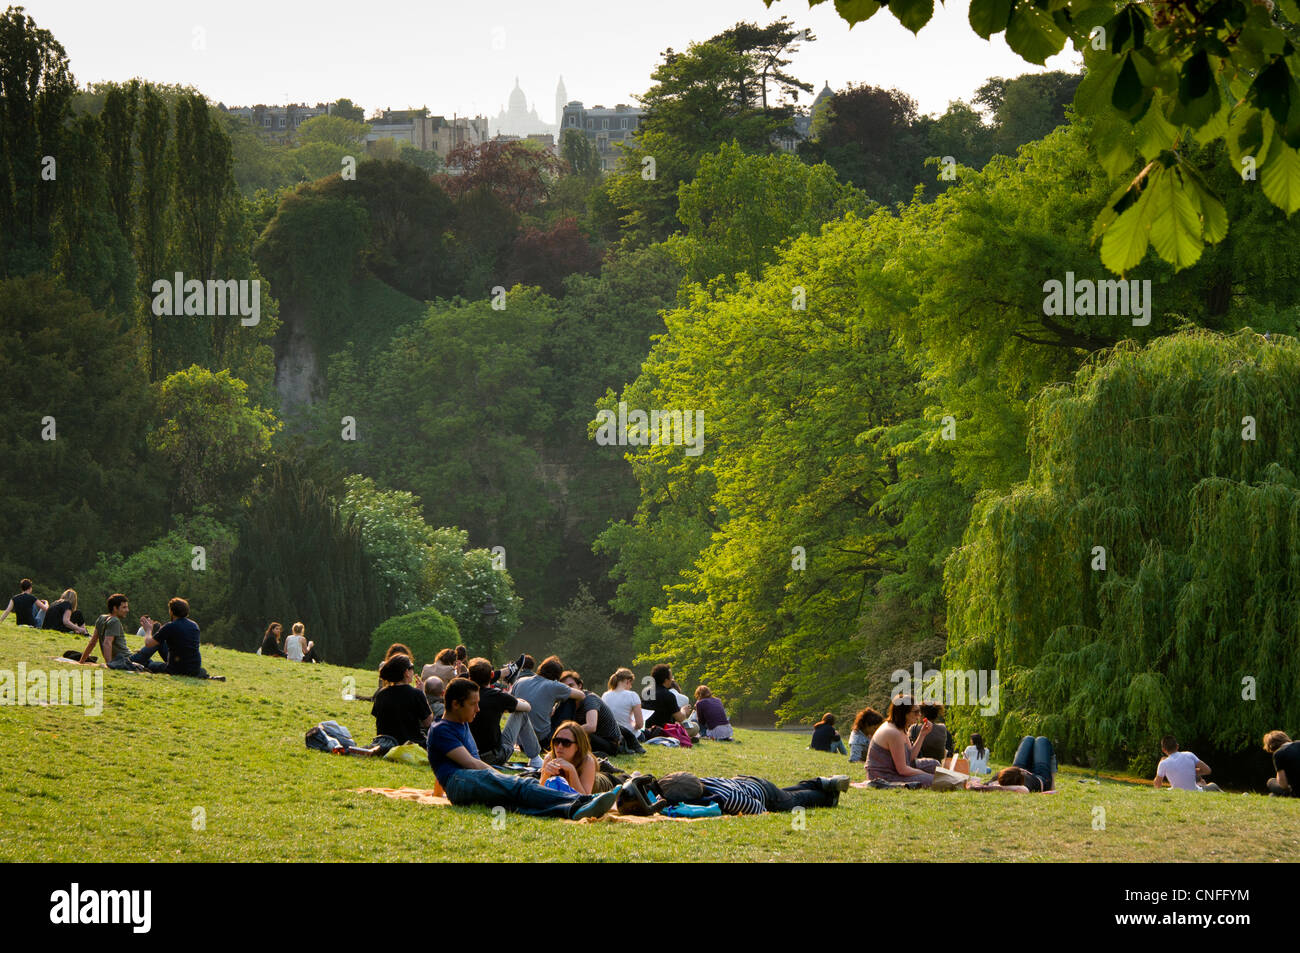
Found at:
<point>570,758</point>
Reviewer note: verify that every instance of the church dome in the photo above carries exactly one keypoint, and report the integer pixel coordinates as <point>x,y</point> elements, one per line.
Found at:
<point>518,102</point>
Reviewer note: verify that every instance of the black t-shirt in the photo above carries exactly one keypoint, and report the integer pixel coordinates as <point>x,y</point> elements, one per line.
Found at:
<point>1287,758</point>
<point>24,608</point>
<point>181,636</point>
<point>271,647</point>
<point>606,723</point>
<point>823,736</point>
<point>486,726</point>
<point>398,711</point>
<point>662,707</point>
<point>54,617</point>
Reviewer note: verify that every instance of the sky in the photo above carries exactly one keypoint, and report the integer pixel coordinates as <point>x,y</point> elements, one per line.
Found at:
<point>463,57</point>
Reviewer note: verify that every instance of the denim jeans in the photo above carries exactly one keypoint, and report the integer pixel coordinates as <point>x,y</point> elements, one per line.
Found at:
<point>803,794</point>
<point>518,728</point>
<point>145,655</point>
<point>1036,755</point>
<point>522,795</point>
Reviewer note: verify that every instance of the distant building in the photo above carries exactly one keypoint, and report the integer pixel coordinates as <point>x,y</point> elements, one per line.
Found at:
<point>279,122</point>
<point>430,133</point>
<point>604,127</point>
<point>803,120</point>
<point>520,119</point>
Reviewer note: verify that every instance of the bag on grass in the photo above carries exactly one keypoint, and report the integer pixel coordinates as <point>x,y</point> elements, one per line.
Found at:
<point>678,733</point>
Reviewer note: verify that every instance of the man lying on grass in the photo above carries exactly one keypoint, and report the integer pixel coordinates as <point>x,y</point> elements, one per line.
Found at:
<point>750,795</point>
<point>453,755</point>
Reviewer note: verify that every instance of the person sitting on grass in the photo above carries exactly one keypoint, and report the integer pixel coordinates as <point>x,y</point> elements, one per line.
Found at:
<point>1032,772</point>
<point>177,643</point>
<point>664,707</point>
<point>623,702</point>
<point>495,744</point>
<point>402,714</point>
<point>826,738</point>
<point>443,666</point>
<point>864,726</point>
<point>110,636</point>
<point>467,780</point>
<point>592,713</point>
<point>433,690</point>
<point>977,755</point>
<point>938,744</point>
<point>25,606</point>
<point>1286,762</point>
<point>543,692</point>
<point>271,641</point>
<point>571,760</point>
<point>1182,769</point>
<point>712,716</point>
<point>62,616</point>
<point>750,795</point>
<point>891,758</point>
<point>296,646</point>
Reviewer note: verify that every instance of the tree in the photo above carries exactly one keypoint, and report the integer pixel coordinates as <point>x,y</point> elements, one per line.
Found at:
<point>299,559</point>
<point>580,152</point>
<point>1139,581</point>
<point>765,47</point>
<point>334,130</point>
<point>211,438</point>
<point>345,109</point>
<point>1027,107</point>
<point>397,539</point>
<point>520,176</point>
<point>544,258</point>
<point>1160,81</point>
<point>590,641</point>
<point>425,632</point>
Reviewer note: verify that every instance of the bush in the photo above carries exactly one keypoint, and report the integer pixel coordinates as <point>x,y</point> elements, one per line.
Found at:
<point>426,633</point>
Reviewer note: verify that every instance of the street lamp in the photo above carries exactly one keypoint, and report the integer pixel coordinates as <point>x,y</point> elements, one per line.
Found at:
<point>489,612</point>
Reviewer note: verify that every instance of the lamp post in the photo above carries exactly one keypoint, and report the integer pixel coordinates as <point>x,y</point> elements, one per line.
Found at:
<point>489,612</point>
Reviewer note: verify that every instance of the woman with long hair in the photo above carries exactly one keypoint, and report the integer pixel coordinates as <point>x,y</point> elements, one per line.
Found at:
<point>864,726</point>
<point>570,758</point>
<point>271,641</point>
<point>891,758</point>
<point>296,646</point>
<point>825,737</point>
<point>977,755</point>
<point>60,616</point>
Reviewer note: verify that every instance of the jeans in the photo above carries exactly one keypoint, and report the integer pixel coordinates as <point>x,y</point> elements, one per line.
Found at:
<point>1036,755</point>
<point>144,656</point>
<point>519,728</point>
<point>522,795</point>
<point>837,747</point>
<point>803,794</point>
<point>601,745</point>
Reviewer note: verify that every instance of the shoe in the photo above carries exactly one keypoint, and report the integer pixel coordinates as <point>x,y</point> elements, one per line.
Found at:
<point>838,782</point>
<point>535,762</point>
<point>509,672</point>
<point>598,806</point>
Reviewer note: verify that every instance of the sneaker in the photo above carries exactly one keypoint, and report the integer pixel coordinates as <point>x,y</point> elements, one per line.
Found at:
<point>839,782</point>
<point>600,805</point>
<point>535,762</point>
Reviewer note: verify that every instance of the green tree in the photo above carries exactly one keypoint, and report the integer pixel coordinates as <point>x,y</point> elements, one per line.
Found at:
<point>425,632</point>
<point>590,641</point>
<point>334,130</point>
<point>211,438</point>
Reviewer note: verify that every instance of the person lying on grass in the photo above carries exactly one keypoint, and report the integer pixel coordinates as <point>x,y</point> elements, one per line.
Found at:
<point>750,795</point>
<point>1032,771</point>
<point>468,780</point>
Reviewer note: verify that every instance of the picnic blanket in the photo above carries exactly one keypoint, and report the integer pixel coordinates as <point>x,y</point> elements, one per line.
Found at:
<point>420,796</point>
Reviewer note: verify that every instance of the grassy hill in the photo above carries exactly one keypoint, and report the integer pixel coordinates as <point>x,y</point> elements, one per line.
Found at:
<point>124,785</point>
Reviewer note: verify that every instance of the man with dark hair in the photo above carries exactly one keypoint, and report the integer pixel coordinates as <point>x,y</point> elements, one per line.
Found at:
<point>1182,769</point>
<point>542,692</point>
<point>25,606</point>
<point>664,707</point>
<point>177,642</point>
<point>110,636</point>
<point>592,713</point>
<point>495,744</point>
<point>750,795</point>
<point>466,779</point>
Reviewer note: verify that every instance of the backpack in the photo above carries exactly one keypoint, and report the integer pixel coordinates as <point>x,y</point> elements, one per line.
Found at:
<point>678,733</point>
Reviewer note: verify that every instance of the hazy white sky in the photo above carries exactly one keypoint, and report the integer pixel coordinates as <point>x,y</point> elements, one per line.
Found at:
<point>463,56</point>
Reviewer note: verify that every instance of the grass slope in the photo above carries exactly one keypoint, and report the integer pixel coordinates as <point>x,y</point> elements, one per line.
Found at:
<point>122,786</point>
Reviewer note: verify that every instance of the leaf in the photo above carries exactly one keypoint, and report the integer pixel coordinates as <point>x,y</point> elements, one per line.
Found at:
<point>1272,90</point>
<point>1175,226</point>
<point>990,16</point>
<point>1033,34</point>
<point>1155,133</point>
<point>1092,98</point>
<point>856,11</point>
<point>1280,176</point>
<point>1125,240</point>
<point>913,14</point>
<point>1128,87</point>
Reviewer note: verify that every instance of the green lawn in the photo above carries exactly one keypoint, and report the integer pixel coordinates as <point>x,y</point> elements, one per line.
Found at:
<point>123,786</point>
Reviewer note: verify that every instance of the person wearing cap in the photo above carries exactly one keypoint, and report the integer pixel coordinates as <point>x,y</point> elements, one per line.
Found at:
<point>750,795</point>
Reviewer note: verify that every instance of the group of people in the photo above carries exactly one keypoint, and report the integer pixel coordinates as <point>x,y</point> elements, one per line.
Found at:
<point>295,648</point>
<point>176,642</point>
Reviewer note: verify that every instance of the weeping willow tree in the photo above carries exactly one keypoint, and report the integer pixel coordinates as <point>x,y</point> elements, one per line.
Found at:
<point>1146,577</point>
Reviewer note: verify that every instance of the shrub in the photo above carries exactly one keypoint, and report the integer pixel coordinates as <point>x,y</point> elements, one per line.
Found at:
<point>426,633</point>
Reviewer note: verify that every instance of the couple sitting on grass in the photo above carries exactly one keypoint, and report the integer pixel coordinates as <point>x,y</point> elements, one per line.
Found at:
<point>177,642</point>
<point>467,779</point>
<point>892,760</point>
